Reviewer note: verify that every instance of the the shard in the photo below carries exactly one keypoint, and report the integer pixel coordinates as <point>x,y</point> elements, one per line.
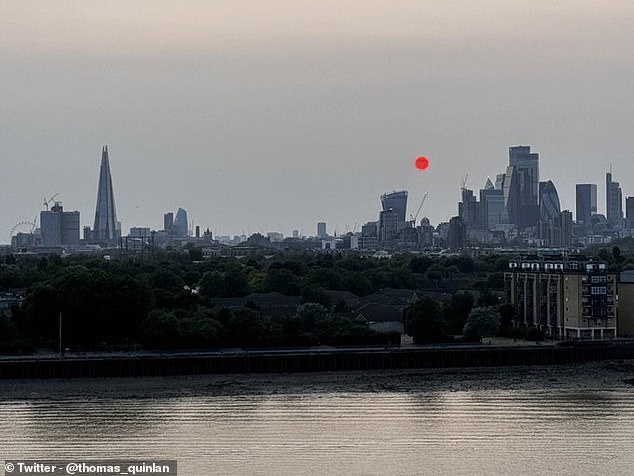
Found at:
<point>106,226</point>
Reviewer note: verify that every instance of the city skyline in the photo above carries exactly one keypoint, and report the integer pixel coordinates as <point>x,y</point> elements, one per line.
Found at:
<point>106,198</point>
<point>274,117</point>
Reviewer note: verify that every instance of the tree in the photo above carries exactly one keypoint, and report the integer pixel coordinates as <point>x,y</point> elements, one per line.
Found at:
<point>482,321</point>
<point>212,284</point>
<point>616,254</point>
<point>236,284</point>
<point>507,315</point>
<point>316,294</point>
<point>160,330</point>
<point>245,328</point>
<point>457,310</point>
<point>310,315</point>
<point>424,321</point>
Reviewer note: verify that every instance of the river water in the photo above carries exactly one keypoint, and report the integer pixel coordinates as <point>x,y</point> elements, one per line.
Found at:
<point>560,420</point>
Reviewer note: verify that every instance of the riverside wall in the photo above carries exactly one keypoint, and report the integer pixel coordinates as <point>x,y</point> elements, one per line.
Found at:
<point>308,361</point>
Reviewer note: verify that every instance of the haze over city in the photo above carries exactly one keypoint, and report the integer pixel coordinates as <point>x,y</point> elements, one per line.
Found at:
<point>262,117</point>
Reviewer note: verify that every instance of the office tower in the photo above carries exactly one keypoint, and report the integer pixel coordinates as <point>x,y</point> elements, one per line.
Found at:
<point>469,210</point>
<point>629,212</point>
<point>321,229</point>
<point>59,228</point>
<point>549,207</point>
<point>565,224</point>
<point>549,214</point>
<point>168,222</point>
<point>492,210</point>
<point>389,222</point>
<point>512,195</point>
<point>526,165</point>
<point>613,202</point>
<point>396,201</point>
<point>180,226</point>
<point>586,198</point>
<point>106,226</point>
<point>457,233</point>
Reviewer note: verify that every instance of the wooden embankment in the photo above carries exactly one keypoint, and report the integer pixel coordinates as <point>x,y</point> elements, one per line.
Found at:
<point>129,365</point>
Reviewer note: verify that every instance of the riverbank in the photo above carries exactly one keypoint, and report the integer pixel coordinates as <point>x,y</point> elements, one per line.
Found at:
<point>310,360</point>
<point>585,376</point>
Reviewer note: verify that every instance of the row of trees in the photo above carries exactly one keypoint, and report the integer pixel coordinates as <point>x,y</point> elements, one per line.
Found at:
<point>429,321</point>
<point>170,301</point>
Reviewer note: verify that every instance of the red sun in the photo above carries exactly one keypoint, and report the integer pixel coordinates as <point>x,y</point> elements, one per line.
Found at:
<point>421,162</point>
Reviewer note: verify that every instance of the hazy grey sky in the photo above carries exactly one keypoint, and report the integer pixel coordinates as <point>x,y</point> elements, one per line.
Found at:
<point>273,115</point>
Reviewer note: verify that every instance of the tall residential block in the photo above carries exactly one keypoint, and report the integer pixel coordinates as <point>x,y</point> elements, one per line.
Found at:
<point>106,226</point>
<point>566,297</point>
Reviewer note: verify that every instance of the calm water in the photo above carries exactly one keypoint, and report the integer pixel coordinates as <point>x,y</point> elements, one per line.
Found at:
<point>372,423</point>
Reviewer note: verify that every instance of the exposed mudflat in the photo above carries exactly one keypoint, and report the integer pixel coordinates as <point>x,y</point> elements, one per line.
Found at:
<point>593,375</point>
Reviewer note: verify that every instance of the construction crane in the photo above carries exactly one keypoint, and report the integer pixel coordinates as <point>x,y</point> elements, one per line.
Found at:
<point>50,200</point>
<point>420,207</point>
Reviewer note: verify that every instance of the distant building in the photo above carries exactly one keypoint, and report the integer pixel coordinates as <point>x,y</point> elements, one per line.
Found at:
<point>274,236</point>
<point>526,167</point>
<point>136,232</point>
<point>106,226</point>
<point>181,226</point>
<point>492,209</point>
<point>469,210</point>
<point>512,195</point>
<point>396,201</point>
<point>586,201</point>
<point>566,297</point>
<point>457,233</point>
<point>629,212</point>
<point>321,229</point>
<point>168,222</point>
<point>59,228</point>
<point>389,221</point>
<point>614,202</point>
<point>549,215</point>
<point>566,227</point>
<point>426,234</point>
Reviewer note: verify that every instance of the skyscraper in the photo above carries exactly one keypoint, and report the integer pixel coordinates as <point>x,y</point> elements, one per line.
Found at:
<point>168,222</point>
<point>629,212</point>
<point>321,229</point>
<point>549,214</point>
<point>586,198</point>
<point>526,165</point>
<point>106,226</point>
<point>613,202</point>
<point>180,226</point>
<point>397,201</point>
<point>512,194</point>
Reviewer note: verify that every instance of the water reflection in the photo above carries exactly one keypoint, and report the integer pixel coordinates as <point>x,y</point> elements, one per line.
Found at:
<point>324,424</point>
